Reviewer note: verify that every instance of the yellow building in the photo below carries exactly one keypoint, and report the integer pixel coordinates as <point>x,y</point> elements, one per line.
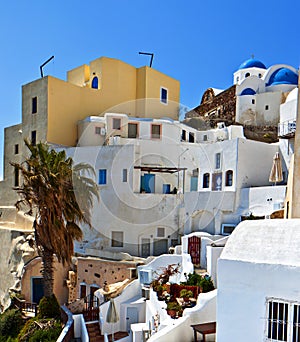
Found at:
<point>51,107</point>
<point>106,84</point>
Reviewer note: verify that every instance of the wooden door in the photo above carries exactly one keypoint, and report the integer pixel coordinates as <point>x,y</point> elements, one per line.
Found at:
<point>194,249</point>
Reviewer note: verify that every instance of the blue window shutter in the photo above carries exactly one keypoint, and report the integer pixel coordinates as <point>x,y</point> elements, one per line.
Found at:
<point>102,176</point>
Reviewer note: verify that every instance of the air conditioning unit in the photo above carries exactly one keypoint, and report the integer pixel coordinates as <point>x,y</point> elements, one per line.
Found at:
<point>146,292</point>
<point>102,131</point>
<point>145,277</point>
<point>227,228</point>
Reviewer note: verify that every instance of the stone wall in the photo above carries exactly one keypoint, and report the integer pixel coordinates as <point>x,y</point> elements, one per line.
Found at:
<point>216,108</point>
<point>97,271</point>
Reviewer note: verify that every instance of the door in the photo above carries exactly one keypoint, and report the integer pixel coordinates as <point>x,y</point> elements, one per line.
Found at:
<point>37,289</point>
<point>194,249</point>
<point>145,248</point>
<point>166,188</point>
<point>149,183</point>
<point>131,317</point>
<point>132,130</point>
<point>160,247</point>
<point>194,184</point>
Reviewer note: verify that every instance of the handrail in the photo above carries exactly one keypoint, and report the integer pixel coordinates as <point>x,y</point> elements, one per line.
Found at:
<point>25,306</point>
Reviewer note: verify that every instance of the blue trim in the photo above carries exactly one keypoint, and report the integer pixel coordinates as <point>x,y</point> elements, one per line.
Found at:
<point>248,91</point>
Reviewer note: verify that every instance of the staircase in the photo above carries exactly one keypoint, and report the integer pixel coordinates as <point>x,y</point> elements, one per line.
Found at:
<point>94,332</point>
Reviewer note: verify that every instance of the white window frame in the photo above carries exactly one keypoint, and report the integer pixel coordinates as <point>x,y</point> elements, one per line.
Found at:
<point>289,319</point>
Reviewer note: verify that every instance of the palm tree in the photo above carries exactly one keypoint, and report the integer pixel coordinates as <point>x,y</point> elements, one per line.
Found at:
<point>60,196</point>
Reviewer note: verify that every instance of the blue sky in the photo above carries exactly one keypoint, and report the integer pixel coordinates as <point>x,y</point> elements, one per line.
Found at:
<point>200,43</point>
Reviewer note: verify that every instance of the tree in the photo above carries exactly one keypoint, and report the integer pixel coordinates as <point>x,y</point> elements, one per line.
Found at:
<point>60,196</point>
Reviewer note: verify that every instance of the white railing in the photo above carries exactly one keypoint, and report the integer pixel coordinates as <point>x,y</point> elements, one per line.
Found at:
<point>287,128</point>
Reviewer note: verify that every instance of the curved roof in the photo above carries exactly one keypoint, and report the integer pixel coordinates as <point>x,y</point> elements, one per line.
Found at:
<point>252,63</point>
<point>283,76</point>
<point>280,239</point>
<point>293,95</point>
<point>248,91</point>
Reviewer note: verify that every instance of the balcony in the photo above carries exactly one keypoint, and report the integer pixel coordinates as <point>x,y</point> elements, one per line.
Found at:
<point>287,129</point>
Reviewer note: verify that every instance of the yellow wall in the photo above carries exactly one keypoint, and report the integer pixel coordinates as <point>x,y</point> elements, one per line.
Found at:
<point>120,85</point>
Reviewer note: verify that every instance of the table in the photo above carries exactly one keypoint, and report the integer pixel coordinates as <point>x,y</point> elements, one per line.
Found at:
<point>204,329</point>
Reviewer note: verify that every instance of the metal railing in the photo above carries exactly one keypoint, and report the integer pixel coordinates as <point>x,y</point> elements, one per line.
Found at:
<point>25,306</point>
<point>287,129</point>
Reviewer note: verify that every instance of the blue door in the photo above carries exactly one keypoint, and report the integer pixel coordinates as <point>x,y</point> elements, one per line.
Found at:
<point>166,188</point>
<point>37,289</point>
<point>148,183</point>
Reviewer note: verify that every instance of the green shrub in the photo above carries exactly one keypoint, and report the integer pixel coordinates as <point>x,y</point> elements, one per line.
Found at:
<point>11,323</point>
<point>36,330</point>
<point>47,335</point>
<point>184,293</point>
<point>49,308</point>
<point>206,284</point>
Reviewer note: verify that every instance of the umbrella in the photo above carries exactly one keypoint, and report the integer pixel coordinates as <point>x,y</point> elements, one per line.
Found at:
<point>112,315</point>
<point>276,171</point>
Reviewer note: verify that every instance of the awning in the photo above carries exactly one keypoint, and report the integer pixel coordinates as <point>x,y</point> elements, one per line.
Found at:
<point>160,169</point>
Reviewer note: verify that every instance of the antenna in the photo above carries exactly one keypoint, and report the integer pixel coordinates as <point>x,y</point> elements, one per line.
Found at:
<point>41,67</point>
<point>148,54</point>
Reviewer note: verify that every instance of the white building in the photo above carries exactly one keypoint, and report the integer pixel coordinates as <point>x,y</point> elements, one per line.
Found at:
<point>159,179</point>
<point>258,276</point>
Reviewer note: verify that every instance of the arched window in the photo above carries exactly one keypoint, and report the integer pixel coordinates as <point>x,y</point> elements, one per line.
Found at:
<point>95,83</point>
<point>229,178</point>
<point>206,180</point>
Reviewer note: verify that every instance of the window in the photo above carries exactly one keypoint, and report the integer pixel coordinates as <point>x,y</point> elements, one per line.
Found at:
<point>247,74</point>
<point>183,135</point>
<point>16,174</point>
<point>206,180</point>
<point>155,131</point>
<point>283,320</point>
<point>34,105</point>
<point>191,137</point>
<point>266,107</point>
<point>117,239</point>
<point>227,228</point>
<point>163,95</point>
<point>95,83</point>
<point>132,130</point>
<point>124,175</point>
<point>205,137</point>
<point>160,232</point>
<point>82,290</point>
<point>33,138</point>
<point>218,160</point>
<point>98,130</point>
<point>229,178</point>
<point>17,149</point>
<point>259,75</point>
<point>102,176</point>
<point>237,79</point>
<point>116,123</point>
<point>253,101</point>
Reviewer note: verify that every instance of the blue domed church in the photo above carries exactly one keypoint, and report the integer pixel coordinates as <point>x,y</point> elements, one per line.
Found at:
<point>254,99</point>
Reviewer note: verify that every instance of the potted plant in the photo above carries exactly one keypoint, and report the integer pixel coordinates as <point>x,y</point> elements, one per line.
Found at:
<point>173,309</point>
<point>186,294</point>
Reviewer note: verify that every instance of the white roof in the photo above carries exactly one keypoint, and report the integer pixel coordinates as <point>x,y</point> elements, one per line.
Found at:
<point>265,241</point>
<point>217,91</point>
